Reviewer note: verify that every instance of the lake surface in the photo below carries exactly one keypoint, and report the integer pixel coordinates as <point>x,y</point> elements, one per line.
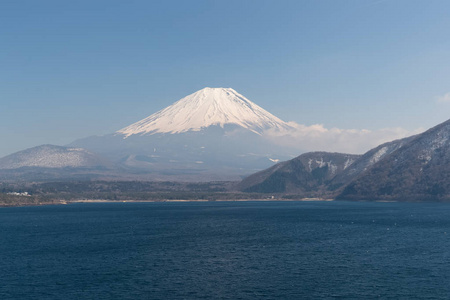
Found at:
<point>226,250</point>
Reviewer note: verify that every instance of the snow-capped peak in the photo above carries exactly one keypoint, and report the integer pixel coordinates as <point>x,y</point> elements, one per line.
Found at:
<point>204,108</point>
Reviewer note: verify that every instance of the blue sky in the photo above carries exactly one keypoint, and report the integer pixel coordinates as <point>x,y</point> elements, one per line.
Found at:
<point>71,69</point>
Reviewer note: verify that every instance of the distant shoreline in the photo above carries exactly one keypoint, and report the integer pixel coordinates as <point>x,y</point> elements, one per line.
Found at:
<point>68,202</point>
<point>200,200</point>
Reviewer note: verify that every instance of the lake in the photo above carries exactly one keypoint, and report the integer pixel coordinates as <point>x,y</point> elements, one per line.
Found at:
<point>226,250</point>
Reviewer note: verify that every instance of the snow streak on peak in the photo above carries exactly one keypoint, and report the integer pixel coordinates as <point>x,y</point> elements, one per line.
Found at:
<point>204,108</point>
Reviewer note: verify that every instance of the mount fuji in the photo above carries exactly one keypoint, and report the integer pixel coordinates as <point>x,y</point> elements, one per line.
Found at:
<point>205,108</point>
<point>212,134</point>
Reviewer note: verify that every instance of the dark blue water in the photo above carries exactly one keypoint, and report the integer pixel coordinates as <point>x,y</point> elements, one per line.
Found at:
<point>226,250</point>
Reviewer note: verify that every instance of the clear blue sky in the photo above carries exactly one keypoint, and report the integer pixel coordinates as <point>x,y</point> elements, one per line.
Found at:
<point>71,69</point>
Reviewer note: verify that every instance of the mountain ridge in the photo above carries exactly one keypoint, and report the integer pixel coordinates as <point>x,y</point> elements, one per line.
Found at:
<point>418,170</point>
<point>329,174</point>
<point>307,173</point>
<point>52,156</point>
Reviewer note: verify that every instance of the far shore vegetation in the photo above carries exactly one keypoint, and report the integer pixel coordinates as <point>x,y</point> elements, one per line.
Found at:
<point>35,193</point>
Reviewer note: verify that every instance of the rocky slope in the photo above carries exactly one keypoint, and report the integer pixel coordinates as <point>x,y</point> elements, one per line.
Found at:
<point>365,162</point>
<point>309,172</point>
<point>418,171</point>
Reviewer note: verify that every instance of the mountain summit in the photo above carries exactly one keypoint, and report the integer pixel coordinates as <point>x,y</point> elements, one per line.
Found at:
<point>204,108</point>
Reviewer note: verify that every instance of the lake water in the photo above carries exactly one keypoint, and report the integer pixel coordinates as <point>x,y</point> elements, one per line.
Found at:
<point>226,250</point>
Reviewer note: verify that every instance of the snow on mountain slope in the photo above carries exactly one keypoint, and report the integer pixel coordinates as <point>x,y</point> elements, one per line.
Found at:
<point>204,108</point>
<point>50,156</point>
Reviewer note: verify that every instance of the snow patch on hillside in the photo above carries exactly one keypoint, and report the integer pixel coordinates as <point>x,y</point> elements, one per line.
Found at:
<point>348,163</point>
<point>378,155</point>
